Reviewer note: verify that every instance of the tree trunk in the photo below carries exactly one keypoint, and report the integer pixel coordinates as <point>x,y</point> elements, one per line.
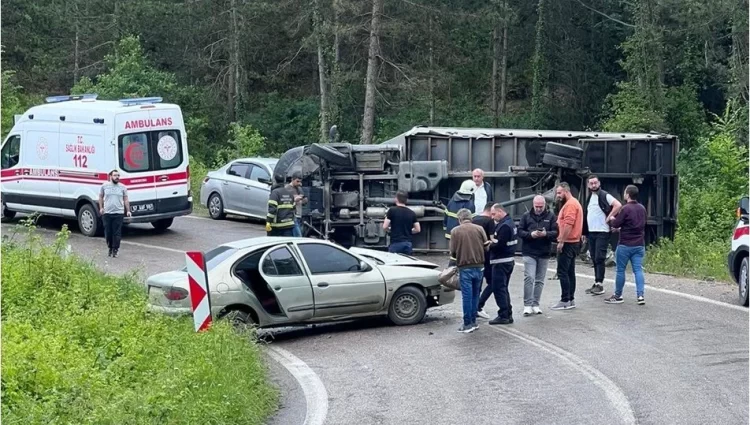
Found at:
<point>322,79</point>
<point>495,69</point>
<point>539,83</point>
<point>368,121</point>
<point>233,97</point>
<point>504,69</point>
<point>77,51</point>
<point>432,73</point>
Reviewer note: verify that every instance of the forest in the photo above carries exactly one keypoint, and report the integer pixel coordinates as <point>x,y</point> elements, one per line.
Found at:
<point>256,77</point>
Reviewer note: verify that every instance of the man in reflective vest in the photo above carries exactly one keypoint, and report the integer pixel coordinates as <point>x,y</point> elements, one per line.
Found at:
<point>282,202</point>
<point>502,250</point>
<point>462,198</point>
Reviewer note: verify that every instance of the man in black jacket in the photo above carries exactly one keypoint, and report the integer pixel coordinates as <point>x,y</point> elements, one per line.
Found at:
<point>502,250</point>
<point>485,221</point>
<point>537,229</point>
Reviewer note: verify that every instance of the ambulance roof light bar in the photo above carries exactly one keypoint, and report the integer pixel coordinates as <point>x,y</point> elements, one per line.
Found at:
<point>140,100</point>
<point>66,98</point>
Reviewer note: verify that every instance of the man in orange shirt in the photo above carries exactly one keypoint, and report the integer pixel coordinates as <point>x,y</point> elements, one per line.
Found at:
<point>570,224</point>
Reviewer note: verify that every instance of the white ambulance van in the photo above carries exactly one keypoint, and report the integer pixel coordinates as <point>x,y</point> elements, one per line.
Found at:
<point>58,155</point>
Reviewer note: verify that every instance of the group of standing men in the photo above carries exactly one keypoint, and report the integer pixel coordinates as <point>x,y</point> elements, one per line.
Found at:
<point>483,247</point>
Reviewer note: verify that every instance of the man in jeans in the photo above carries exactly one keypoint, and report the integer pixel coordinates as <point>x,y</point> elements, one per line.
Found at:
<point>537,228</point>
<point>631,222</point>
<point>485,221</point>
<point>113,206</point>
<point>467,246</point>
<point>570,223</point>
<point>403,223</point>
<point>600,208</point>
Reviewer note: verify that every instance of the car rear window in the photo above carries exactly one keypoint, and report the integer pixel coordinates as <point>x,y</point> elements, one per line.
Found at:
<point>216,256</point>
<point>150,151</point>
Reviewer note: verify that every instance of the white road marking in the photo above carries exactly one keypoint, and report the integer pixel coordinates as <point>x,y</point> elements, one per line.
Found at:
<point>316,396</point>
<point>666,291</point>
<point>195,217</point>
<point>145,245</point>
<point>615,395</point>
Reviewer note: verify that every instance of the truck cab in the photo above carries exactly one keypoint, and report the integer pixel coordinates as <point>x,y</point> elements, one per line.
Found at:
<point>737,260</point>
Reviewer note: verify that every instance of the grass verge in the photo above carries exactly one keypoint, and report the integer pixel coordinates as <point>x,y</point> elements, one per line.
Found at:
<point>690,255</point>
<point>78,346</point>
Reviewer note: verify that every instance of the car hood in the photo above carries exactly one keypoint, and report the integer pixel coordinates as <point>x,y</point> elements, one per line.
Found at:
<point>391,259</point>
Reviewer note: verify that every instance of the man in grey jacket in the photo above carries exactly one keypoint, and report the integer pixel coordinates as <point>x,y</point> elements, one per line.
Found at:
<point>537,229</point>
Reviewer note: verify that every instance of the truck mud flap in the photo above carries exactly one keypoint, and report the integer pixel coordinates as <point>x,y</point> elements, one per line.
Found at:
<point>330,155</point>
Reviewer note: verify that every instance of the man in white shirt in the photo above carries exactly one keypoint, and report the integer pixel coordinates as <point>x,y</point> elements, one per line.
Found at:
<point>483,193</point>
<point>600,207</point>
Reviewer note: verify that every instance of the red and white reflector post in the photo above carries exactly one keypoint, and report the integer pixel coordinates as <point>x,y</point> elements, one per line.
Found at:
<point>200,301</point>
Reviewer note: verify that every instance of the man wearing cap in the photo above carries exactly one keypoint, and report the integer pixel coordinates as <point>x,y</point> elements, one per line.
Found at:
<point>282,202</point>
<point>461,199</point>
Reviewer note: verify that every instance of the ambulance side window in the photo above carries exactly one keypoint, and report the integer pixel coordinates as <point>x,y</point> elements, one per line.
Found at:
<point>11,152</point>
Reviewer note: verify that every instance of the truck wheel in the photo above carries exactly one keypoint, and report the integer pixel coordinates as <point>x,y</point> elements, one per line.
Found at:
<point>89,222</point>
<point>162,224</point>
<point>408,306</point>
<point>742,281</point>
<point>216,207</point>
<point>7,215</point>
<point>563,150</point>
<point>559,161</point>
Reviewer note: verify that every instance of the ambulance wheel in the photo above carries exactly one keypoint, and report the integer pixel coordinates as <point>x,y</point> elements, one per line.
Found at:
<point>89,222</point>
<point>7,215</point>
<point>216,207</point>
<point>162,224</point>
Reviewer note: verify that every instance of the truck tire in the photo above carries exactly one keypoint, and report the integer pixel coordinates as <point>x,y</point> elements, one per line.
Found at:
<point>408,306</point>
<point>563,150</point>
<point>216,207</point>
<point>163,224</point>
<point>89,222</point>
<point>331,155</point>
<point>742,281</point>
<point>562,162</point>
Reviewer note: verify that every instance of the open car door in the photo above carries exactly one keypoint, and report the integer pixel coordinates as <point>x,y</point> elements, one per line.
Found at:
<point>289,283</point>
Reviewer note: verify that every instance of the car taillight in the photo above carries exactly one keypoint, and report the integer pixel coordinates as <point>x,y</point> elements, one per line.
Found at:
<point>175,294</point>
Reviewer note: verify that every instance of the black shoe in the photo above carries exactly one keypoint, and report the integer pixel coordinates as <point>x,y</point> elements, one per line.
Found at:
<point>114,253</point>
<point>501,321</point>
<point>109,254</point>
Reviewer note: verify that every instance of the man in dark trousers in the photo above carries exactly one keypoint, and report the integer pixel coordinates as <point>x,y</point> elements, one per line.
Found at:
<point>113,207</point>
<point>537,229</point>
<point>485,221</point>
<point>570,224</point>
<point>502,250</point>
<point>282,201</point>
<point>601,207</point>
<point>402,222</point>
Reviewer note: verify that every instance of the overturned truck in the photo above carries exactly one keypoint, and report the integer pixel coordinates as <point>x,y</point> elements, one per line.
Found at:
<point>350,187</point>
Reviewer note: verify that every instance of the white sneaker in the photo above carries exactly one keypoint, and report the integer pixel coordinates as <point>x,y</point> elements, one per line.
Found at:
<point>536,310</point>
<point>528,311</point>
<point>482,314</point>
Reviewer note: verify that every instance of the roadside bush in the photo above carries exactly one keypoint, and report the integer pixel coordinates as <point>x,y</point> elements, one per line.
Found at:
<point>690,255</point>
<point>78,346</point>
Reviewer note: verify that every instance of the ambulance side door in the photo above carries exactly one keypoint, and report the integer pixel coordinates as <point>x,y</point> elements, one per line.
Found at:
<point>40,190</point>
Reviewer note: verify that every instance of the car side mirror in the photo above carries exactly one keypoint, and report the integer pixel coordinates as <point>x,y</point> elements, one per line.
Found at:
<point>264,180</point>
<point>363,266</point>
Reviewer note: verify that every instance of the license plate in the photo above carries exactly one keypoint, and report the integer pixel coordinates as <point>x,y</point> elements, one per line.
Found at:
<point>141,208</point>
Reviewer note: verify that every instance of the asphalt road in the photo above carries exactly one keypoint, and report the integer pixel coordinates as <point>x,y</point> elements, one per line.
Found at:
<point>676,360</point>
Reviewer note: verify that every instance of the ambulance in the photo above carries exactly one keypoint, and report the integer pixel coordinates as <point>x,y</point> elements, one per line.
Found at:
<point>57,156</point>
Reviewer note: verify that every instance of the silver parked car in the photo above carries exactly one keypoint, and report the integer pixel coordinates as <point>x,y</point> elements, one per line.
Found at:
<point>240,187</point>
<point>281,281</point>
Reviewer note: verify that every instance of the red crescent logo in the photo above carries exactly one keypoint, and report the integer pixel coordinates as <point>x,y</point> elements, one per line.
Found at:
<point>133,155</point>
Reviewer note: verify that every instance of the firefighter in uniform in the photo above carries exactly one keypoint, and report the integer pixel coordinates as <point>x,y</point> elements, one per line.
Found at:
<point>282,203</point>
<point>463,198</point>
<point>502,250</point>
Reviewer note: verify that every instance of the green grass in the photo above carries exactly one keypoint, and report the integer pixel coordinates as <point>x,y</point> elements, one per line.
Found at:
<point>690,255</point>
<point>79,347</point>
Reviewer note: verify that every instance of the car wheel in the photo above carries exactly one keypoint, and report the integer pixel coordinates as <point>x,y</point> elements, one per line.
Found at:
<point>240,320</point>
<point>89,222</point>
<point>563,150</point>
<point>6,215</point>
<point>742,281</point>
<point>216,207</point>
<point>408,306</point>
<point>162,224</point>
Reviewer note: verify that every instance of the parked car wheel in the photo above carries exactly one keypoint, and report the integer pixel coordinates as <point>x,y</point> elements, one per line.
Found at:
<point>563,150</point>
<point>216,207</point>
<point>408,306</point>
<point>89,222</point>
<point>742,281</point>
<point>162,224</point>
<point>7,215</point>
